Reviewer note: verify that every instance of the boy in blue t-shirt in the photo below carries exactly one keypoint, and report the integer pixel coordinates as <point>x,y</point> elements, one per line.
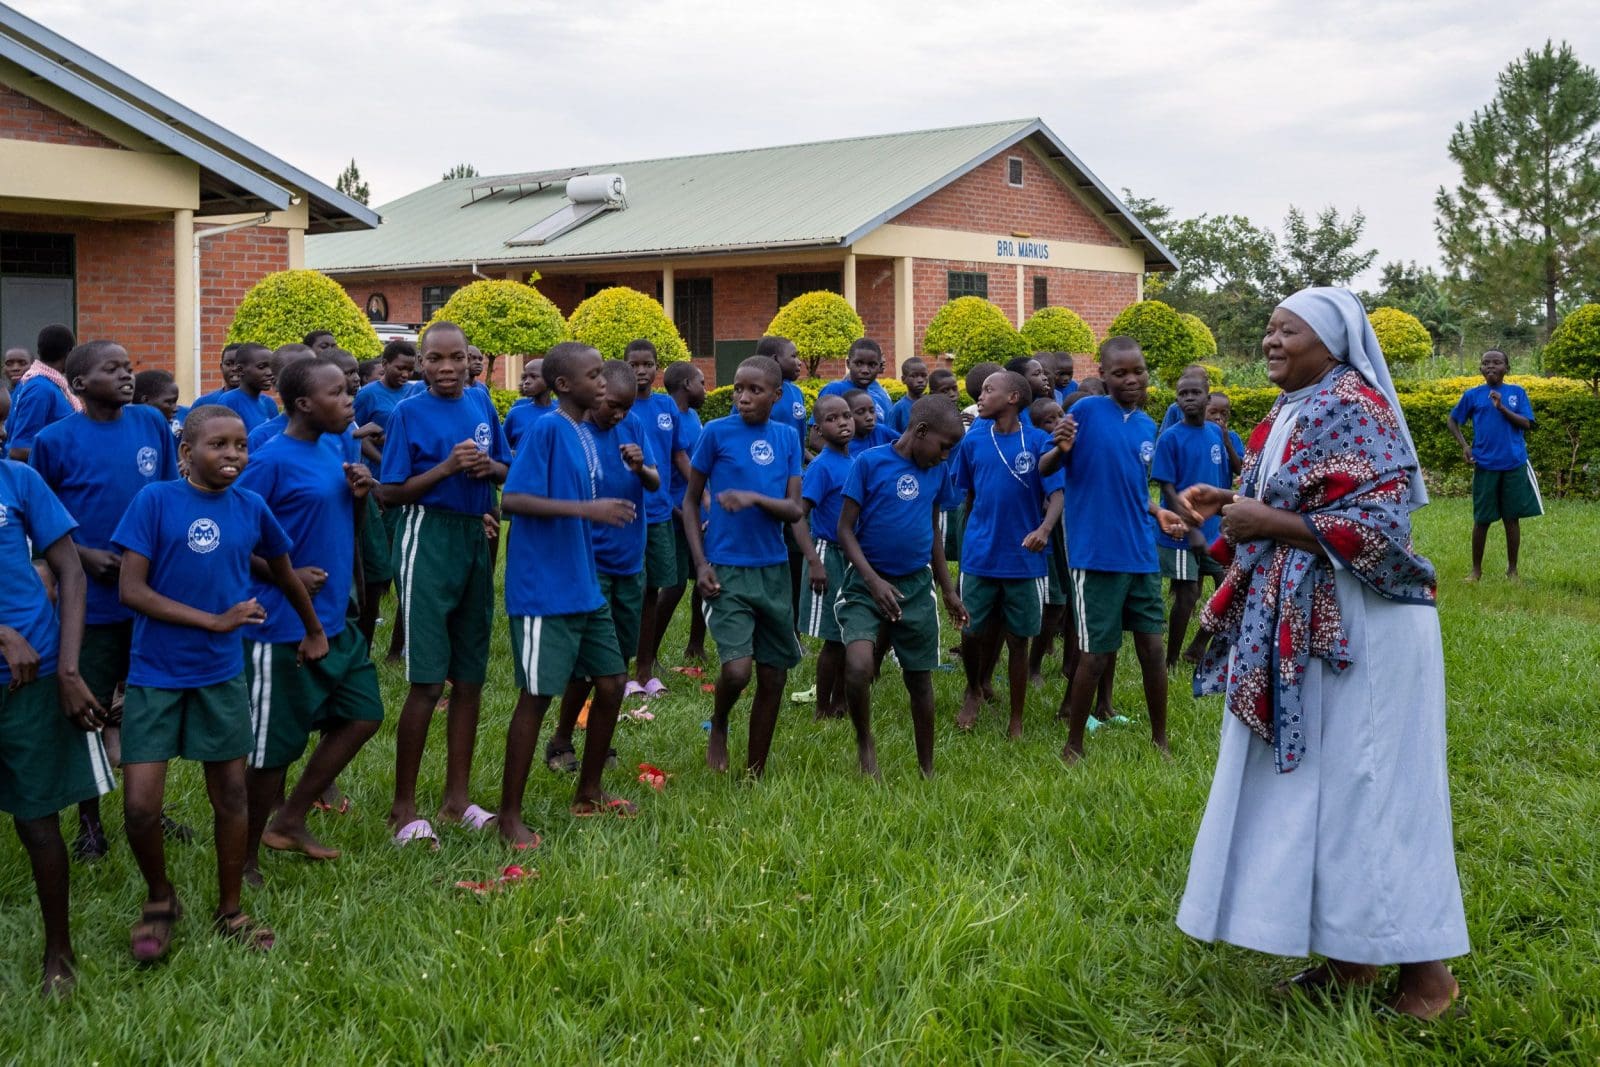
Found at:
<point>686,385</point>
<point>1012,507</point>
<point>914,375</point>
<point>535,404</point>
<point>186,559</point>
<point>442,457</point>
<point>96,461</point>
<point>1219,409</point>
<point>50,750</point>
<point>307,478</point>
<point>1193,452</point>
<point>1104,448</point>
<point>1061,368</point>
<point>822,495</point>
<point>889,532</point>
<point>249,401</point>
<point>869,433</point>
<point>790,411</point>
<point>159,390</point>
<point>1504,487</point>
<point>562,629</point>
<point>658,414</point>
<point>1039,383</point>
<point>863,364</point>
<point>228,365</point>
<point>43,395</point>
<point>751,467</point>
<point>376,400</point>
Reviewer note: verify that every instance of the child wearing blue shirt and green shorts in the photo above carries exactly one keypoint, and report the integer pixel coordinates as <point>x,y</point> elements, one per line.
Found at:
<point>658,414</point>
<point>186,557</point>
<point>822,495</point>
<point>752,467</point>
<point>442,457</point>
<point>1504,488</point>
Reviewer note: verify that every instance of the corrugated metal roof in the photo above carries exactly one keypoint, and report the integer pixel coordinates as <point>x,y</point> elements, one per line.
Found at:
<point>824,194</point>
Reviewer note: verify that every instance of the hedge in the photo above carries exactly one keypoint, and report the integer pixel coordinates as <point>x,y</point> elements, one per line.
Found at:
<point>821,325</point>
<point>1169,342</point>
<point>972,331</point>
<point>286,305</point>
<point>1574,347</point>
<point>503,399</point>
<point>615,317</point>
<point>719,401</point>
<point>1058,329</point>
<point>503,318</point>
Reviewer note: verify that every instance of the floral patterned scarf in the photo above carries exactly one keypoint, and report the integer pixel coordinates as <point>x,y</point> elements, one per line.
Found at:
<point>1346,470</point>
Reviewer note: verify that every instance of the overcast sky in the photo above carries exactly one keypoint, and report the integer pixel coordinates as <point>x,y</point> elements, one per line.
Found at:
<point>1242,106</point>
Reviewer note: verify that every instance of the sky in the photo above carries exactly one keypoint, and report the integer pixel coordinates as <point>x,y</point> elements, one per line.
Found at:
<point>1232,107</point>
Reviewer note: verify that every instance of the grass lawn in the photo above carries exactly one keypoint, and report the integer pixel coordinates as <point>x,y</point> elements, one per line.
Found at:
<point>1010,910</point>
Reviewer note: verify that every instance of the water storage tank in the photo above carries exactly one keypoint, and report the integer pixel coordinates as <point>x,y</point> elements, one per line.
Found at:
<point>597,189</point>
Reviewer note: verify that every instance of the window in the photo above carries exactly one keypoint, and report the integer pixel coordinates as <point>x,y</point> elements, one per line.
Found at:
<point>1041,292</point>
<point>38,285</point>
<point>1014,171</point>
<point>591,288</point>
<point>37,255</point>
<point>793,285</point>
<point>962,283</point>
<point>692,313</point>
<point>434,297</point>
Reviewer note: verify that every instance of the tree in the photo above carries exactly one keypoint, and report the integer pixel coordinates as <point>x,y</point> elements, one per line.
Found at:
<point>1170,342</point>
<point>503,318</point>
<point>1523,225</point>
<point>286,305</point>
<point>821,325</point>
<point>351,185</point>
<point>460,170</point>
<point>1058,329</point>
<point>1323,253</point>
<point>972,331</point>
<point>617,316</point>
<point>1574,349</point>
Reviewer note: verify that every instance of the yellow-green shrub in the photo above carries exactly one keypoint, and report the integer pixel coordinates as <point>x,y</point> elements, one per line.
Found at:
<point>719,401</point>
<point>821,325</point>
<point>286,305</point>
<point>1401,335</point>
<point>504,318</point>
<point>973,331</point>
<point>1058,329</point>
<point>612,318</point>
<point>1200,337</point>
<point>1574,347</point>
<point>1169,342</point>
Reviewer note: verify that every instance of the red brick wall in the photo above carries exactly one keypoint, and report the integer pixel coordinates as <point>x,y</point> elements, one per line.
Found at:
<point>229,266</point>
<point>983,202</point>
<point>24,119</point>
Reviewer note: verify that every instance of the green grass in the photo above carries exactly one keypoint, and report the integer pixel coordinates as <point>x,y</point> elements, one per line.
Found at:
<point>1009,911</point>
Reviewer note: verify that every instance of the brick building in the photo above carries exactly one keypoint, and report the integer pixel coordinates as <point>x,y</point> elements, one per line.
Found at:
<point>898,224</point>
<point>131,218</point>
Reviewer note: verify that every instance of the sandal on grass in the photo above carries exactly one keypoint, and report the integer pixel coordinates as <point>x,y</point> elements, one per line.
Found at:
<point>564,759</point>
<point>621,807</point>
<point>476,818</point>
<point>245,931</point>
<point>151,936</point>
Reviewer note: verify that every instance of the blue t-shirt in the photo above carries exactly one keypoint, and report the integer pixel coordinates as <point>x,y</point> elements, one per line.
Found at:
<point>423,430</point>
<point>732,454</point>
<point>790,410</point>
<point>880,396</point>
<point>1191,455</point>
<point>375,402</point>
<point>213,397</point>
<point>179,416</point>
<point>350,448</point>
<point>96,469</point>
<point>880,435</point>
<point>1109,526</point>
<point>35,404</point>
<point>1062,394</point>
<point>823,485</point>
<point>550,565</point>
<point>30,515</point>
<point>303,483</point>
<point>1173,416</point>
<point>619,550</point>
<point>1001,474</point>
<point>253,410</point>
<point>523,414</point>
<point>658,415</point>
<point>897,498</point>
<point>199,546</point>
<point>900,414</point>
<point>1496,444</point>
<point>689,430</point>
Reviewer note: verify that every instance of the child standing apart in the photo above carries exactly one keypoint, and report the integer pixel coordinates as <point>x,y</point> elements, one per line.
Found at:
<point>888,529</point>
<point>1504,487</point>
<point>914,374</point>
<point>186,549</point>
<point>822,497</point>
<point>443,455</point>
<point>752,469</point>
<point>658,413</point>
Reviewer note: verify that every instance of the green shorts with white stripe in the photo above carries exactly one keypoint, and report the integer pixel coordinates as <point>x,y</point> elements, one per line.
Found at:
<point>446,587</point>
<point>1106,603</point>
<point>288,699</point>
<point>816,609</point>
<point>1020,602</point>
<point>46,763</point>
<point>914,636</point>
<point>548,651</point>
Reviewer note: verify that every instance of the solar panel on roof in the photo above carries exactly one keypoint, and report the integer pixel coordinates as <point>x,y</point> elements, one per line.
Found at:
<point>532,177</point>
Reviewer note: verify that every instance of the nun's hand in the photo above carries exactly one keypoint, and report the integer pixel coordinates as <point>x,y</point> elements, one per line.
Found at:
<point>1246,519</point>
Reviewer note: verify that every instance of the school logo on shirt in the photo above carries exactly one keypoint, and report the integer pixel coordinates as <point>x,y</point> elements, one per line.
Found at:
<point>483,437</point>
<point>204,536</point>
<point>1216,453</point>
<point>663,420</point>
<point>761,452</point>
<point>907,488</point>
<point>799,409</point>
<point>1147,449</point>
<point>5,519</point>
<point>1024,462</point>
<point>146,460</point>
<point>1511,401</point>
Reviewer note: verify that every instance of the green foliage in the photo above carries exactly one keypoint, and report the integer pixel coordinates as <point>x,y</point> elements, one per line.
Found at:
<point>1574,349</point>
<point>351,185</point>
<point>1058,329</point>
<point>460,170</point>
<point>822,326</point>
<point>1320,253</point>
<point>504,318</point>
<point>503,399</point>
<point>719,401</point>
<point>1200,336</point>
<point>1401,336</point>
<point>286,305</point>
<point>612,318</point>
<point>1169,342</point>
<point>972,331</point>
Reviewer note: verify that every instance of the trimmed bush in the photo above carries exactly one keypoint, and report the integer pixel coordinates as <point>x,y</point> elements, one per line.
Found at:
<point>613,317</point>
<point>1055,329</point>
<point>1574,348</point>
<point>504,318</point>
<point>286,305</point>
<point>1401,335</point>
<point>821,325</point>
<point>719,401</point>
<point>503,399</point>
<point>1200,337</point>
<point>1169,342</point>
<point>973,331</point>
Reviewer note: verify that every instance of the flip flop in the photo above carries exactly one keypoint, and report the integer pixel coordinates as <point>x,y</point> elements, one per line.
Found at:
<point>151,936</point>
<point>508,876</point>
<point>241,929</point>
<point>621,807</point>
<point>804,696</point>
<point>562,760</point>
<point>475,818</point>
<point>690,672</point>
<point>416,830</point>
<point>632,689</point>
<point>653,688</point>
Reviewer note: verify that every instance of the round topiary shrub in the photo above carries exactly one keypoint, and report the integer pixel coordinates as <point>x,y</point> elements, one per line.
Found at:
<point>1169,343</point>
<point>504,318</point>
<point>284,306</point>
<point>1200,337</point>
<point>1574,348</point>
<point>613,317</point>
<point>973,331</point>
<point>1401,336</point>
<point>719,402</point>
<point>821,325</point>
<point>1055,329</point>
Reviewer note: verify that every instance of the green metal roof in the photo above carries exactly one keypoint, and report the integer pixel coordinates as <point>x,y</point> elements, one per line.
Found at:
<point>820,195</point>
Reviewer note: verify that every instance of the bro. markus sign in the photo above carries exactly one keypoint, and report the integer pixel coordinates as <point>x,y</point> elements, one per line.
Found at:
<point>1007,249</point>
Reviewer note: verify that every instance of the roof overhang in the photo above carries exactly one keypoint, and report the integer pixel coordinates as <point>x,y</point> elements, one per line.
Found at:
<point>540,263</point>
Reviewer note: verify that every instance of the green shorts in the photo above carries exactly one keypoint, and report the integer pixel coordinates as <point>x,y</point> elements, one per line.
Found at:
<point>624,595</point>
<point>753,616</point>
<point>955,531</point>
<point>915,636</point>
<point>1187,564</point>
<point>816,609</point>
<point>288,700</point>
<point>681,557</point>
<point>1498,495</point>
<point>1105,603</point>
<point>376,564</point>
<point>46,763</point>
<point>446,590</point>
<point>548,651</point>
<point>1055,585</point>
<point>1018,601</point>
<point>661,557</point>
<point>210,724</point>
<point>103,658</point>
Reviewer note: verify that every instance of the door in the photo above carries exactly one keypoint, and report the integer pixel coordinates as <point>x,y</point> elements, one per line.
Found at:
<point>27,305</point>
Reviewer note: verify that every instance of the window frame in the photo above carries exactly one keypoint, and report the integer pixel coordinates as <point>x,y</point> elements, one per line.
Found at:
<point>429,307</point>
<point>1014,163</point>
<point>959,283</point>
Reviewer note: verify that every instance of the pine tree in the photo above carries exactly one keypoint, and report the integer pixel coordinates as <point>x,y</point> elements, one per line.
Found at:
<point>351,185</point>
<point>1523,225</point>
<point>460,170</point>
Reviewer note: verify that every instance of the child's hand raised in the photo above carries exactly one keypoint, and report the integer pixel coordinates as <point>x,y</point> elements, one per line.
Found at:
<point>20,657</point>
<point>359,477</point>
<point>1065,433</point>
<point>632,456</point>
<point>610,511</point>
<point>245,613</point>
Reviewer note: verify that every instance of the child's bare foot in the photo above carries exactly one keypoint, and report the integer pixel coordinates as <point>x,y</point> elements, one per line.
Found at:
<point>695,655</point>
<point>514,832</point>
<point>868,755</point>
<point>967,717</point>
<point>1071,756</point>
<point>60,977</point>
<point>297,839</point>
<point>251,873</point>
<point>1161,747</point>
<point>1474,577</point>
<point>717,750</point>
<point>1513,576</point>
<point>1014,728</point>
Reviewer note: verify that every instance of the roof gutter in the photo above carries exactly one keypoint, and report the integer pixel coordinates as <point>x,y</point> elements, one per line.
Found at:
<point>599,257</point>
<point>201,235</point>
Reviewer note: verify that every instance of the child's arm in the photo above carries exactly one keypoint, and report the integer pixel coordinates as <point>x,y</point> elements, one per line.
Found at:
<point>416,487</point>
<point>1455,428</point>
<point>941,576</point>
<point>1175,502</point>
<point>883,594</point>
<point>1235,461</point>
<point>1519,421</point>
<point>77,703</point>
<point>314,645</point>
<point>705,574</point>
<point>785,509</point>
<point>680,460</point>
<point>1065,433</point>
<point>134,589</point>
<point>1039,539</point>
<point>633,456</point>
<point>801,532</point>
<point>608,511</point>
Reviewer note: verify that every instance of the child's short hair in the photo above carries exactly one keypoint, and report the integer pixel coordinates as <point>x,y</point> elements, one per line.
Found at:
<point>1019,365</point>
<point>54,342</point>
<point>1119,345</point>
<point>366,367</point>
<point>768,367</point>
<point>940,415</point>
<point>1194,370</point>
<point>197,418</point>
<point>310,339</point>
<point>940,375</point>
<point>641,344</point>
<point>81,360</point>
<point>1041,408</point>
<point>772,346</point>
<point>560,361</point>
<point>619,377</point>
<point>148,383</point>
<point>1218,394</point>
<point>230,347</point>
<point>1012,382</point>
<point>864,344</point>
<point>828,398</point>
<point>913,361</point>
<point>295,380</point>
<point>448,327</point>
<point>677,375</point>
<point>852,395</point>
<point>978,375</point>
<point>398,347</point>
<point>247,351</point>
<point>284,355</point>
<point>1063,361</point>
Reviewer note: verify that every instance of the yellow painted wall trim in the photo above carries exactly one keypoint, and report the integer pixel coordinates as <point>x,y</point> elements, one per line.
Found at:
<point>183,309</point>
<point>33,170</point>
<point>297,249</point>
<point>905,323</point>
<point>922,242</point>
